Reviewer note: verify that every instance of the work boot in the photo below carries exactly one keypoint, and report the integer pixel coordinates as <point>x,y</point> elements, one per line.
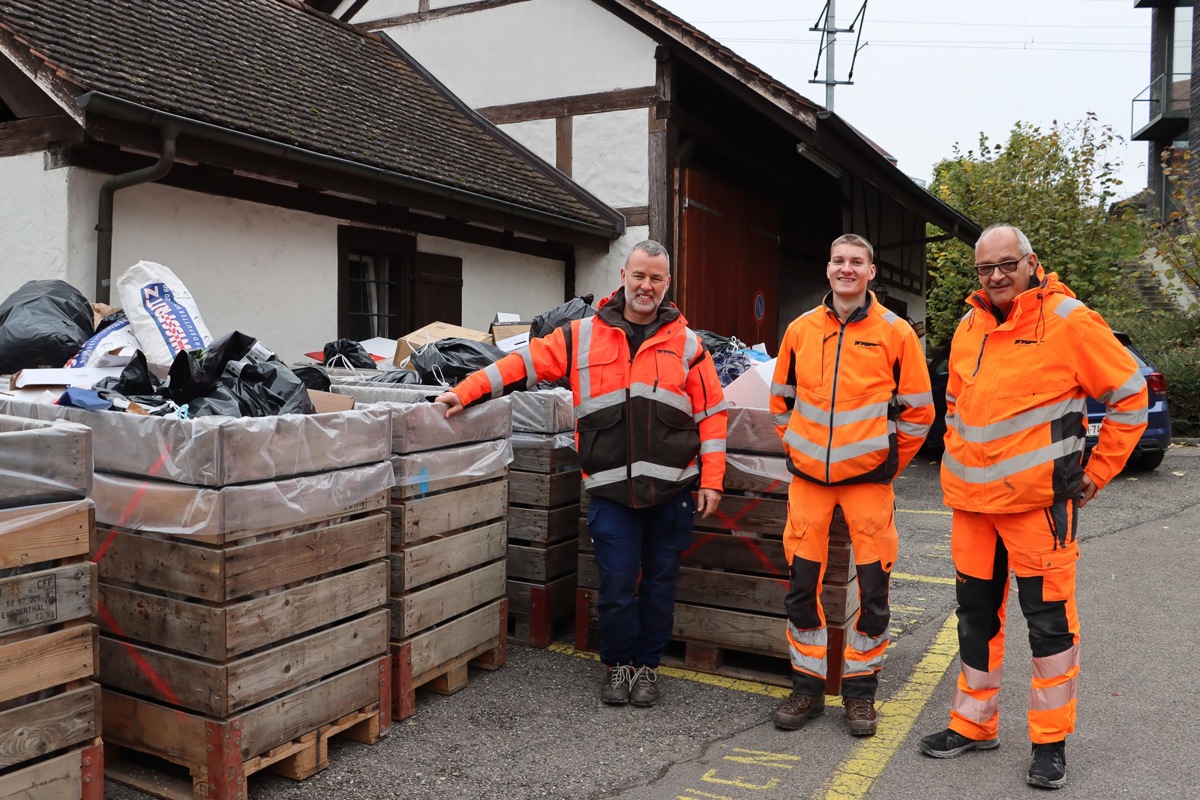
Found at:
<point>950,743</point>
<point>618,680</point>
<point>861,716</point>
<point>1049,766</point>
<point>797,710</point>
<point>645,687</point>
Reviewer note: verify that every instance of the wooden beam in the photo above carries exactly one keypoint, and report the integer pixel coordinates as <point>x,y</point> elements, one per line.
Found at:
<point>24,97</point>
<point>281,168</point>
<point>424,13</point>
<point>636,215</point>
<point>563,138</point>
<point>37,133</point>
<point>223,183</point>
<point>554,107</point>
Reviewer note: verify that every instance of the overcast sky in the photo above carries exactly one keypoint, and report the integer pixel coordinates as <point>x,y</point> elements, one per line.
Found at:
<point>934,73</point>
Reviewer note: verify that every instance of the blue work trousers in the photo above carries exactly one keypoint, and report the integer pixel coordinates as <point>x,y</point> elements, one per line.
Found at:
<point>636,616</point>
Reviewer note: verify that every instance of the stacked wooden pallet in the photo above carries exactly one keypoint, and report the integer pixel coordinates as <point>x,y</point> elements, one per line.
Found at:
<point>543,514</point>
<point>49,704</point>
<point>243,592</point>
<point>448,538</point>
<point>730,616</point>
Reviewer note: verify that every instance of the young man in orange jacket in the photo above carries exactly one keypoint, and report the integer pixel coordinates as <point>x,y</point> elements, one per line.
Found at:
<point>1023,362</point>
<point>851,400</point>
<point>649,423</point>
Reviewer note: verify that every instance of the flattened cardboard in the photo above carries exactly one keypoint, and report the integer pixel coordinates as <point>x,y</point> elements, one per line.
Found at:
<point>434,332</point>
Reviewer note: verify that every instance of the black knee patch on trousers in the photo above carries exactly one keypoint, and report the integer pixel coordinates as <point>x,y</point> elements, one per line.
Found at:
<point>979,604</point>
<point>1049,631</point>
<point>801,600</point>
<point>874,615</point>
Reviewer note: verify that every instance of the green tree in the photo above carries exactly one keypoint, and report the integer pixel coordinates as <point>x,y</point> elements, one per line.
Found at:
<point>1056,185</point>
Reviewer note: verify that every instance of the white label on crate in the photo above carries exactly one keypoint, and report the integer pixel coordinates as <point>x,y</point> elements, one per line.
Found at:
<point>27,601</point>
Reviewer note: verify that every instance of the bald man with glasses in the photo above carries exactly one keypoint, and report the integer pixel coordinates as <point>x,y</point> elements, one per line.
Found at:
<point>1023,362</point>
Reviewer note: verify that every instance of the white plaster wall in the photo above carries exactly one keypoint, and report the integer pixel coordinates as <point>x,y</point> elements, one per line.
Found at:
<point>610,156</point>
<point>33,223</point>
<point>530,51</point>
<point>539,135</point>
<point>270,273</point>
<point>499,280</point>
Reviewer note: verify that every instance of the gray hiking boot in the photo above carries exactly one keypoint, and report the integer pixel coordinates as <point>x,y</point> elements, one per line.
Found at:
<point>645,687</point>
<point>618,680</point>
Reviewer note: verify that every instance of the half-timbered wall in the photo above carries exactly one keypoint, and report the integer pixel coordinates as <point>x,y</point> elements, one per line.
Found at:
<point>569,81</point>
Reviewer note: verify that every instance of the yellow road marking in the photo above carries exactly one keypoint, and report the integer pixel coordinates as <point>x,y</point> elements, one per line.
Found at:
<point>855,776</point>
<point>736,684</point>
<point>904,576</point>
<point>923,511</point>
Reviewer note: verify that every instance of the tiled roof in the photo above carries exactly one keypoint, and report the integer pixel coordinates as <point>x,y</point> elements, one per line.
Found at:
<point>285,72</point>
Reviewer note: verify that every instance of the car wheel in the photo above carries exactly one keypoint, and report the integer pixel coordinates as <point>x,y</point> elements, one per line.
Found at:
<point>1145,460</point>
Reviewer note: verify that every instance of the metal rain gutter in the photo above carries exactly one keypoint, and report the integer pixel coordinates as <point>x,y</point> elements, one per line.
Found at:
<point>104,222</point>
<point>128,111</point>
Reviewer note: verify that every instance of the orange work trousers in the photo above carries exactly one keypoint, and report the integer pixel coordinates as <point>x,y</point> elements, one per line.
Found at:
<point>869,509</point>
<point>1040,547</point>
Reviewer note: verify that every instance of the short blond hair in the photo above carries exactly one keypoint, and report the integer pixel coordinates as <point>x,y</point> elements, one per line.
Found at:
<point>857,241</point>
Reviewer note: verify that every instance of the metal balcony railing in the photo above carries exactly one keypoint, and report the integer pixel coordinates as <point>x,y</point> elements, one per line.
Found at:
<point>1161,110</point>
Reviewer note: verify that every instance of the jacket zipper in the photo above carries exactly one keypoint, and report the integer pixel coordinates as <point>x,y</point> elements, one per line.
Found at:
<point>979,360</point>
<point>837,360</point>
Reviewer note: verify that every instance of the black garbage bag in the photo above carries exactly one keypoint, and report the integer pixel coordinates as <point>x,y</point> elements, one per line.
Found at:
<point>397,376</point>
<point>111,319</point>
<point>716,343</point>
<point>43,324</point>
<point>137,384</point>
<point>448,361</point>
<point>575,308</point>
<point>236,377</point>
<point>348,354</point>
<point>314,378</point>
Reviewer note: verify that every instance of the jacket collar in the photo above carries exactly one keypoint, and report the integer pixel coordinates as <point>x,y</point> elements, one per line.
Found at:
<point>612,310</point>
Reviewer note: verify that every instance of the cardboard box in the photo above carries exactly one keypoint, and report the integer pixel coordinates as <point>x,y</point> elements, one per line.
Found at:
<point>327,401</point>
<point>434,332</point>
<point>506,330</point>
<point>752,389</point>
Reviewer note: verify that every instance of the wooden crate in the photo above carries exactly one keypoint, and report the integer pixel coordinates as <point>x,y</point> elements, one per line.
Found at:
<point>222,451</point>
<point>448,578</point>
<point>43,462</point>
<point>48,701</point>
<point>544,492</point>
<point>288,735</point>
<point>534,609</point>
<point>437,659</point>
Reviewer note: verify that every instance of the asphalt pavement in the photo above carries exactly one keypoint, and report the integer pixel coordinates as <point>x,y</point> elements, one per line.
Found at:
<point>536,728</point>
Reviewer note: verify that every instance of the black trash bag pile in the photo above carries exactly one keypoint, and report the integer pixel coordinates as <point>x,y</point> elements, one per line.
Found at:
<point>347,354</point>
<point>136,384</point>
<point>43,324</point>
<point>448,361</point>
<point>236,377</point>
<point>397,376</point>
<point>557,317</point>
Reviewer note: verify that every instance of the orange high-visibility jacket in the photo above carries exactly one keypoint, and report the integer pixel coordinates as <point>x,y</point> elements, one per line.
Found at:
<point>851,402</point>
<point>1016,402</point>
<point>647,423</point>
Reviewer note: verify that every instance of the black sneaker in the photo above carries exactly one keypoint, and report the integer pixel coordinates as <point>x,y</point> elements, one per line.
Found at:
<point>618,680</point>
<point>645,687</point>
<point>1049,767</point>
<point>949,743</point>
<point>797,710</point>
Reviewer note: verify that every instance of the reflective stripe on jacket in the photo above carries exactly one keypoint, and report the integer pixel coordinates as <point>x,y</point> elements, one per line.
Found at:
<point>852,401</point>
<point>646,425</point>
<point>1016,402</point>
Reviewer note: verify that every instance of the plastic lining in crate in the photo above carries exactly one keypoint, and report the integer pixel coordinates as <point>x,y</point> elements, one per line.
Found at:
<point>220,451</point>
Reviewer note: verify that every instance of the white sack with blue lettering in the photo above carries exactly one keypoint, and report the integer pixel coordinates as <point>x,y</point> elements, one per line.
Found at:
<point>163,314</point>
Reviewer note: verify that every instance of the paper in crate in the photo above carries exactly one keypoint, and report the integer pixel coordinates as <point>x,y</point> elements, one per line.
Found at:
<point>433,332</point>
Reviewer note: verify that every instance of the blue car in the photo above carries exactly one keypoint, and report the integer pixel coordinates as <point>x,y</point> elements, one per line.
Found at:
<point>1150,449</point>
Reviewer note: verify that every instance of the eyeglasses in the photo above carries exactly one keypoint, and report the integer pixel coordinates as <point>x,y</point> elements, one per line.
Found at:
<point>1007,267</point>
